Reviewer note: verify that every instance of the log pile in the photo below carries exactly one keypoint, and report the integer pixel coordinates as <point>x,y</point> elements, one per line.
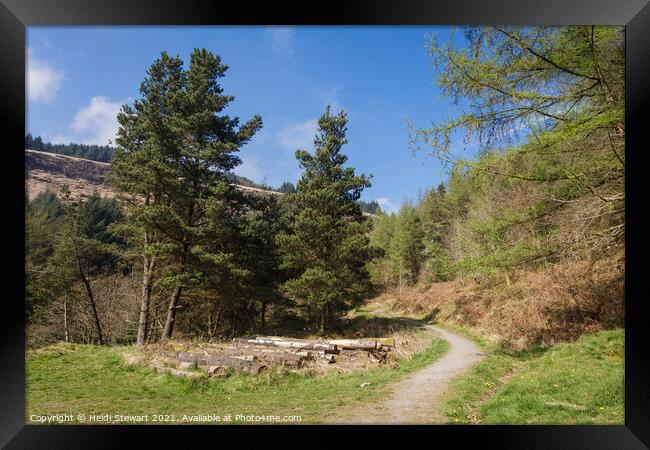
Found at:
<point>325,348</point>
<point>332,345</point>
<point>253,356</point>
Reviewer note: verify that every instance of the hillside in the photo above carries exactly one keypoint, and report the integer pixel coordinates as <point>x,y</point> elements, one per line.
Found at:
<point>50,171</point>
<point>46,171</point>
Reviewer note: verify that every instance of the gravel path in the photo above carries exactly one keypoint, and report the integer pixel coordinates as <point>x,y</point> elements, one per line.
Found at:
<point>413,399</point>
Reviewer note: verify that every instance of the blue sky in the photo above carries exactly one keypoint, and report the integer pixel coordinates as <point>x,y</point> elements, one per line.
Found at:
<point>78,77</point>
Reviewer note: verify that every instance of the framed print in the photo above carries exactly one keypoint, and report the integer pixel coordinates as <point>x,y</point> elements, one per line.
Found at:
<point>421,217</point>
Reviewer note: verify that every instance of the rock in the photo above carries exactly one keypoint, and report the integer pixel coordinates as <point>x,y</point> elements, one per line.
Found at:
<point>185,365</point>
<point>364,384</point>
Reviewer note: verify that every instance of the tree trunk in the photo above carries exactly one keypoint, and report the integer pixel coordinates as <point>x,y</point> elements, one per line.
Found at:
<point>217,320</point>
<point>147,280</point>
<point>323,321</point>
<point>173,301</point>
<point>263,316</point>
<point>171,313</point>
<point>178,290</point>
<point>90,295</point>
<point>330,317</point>
<point>65,317</point>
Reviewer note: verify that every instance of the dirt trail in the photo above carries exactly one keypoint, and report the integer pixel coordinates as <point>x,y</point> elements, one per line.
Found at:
<point>414,399</point>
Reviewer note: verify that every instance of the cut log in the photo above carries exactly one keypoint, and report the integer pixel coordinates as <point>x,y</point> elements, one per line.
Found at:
<point>185,365</point>
<point>278,355</point>
<point>282,338</point>
<point>285,359</point>
<point>176,372</point>
<point>330,358</point>
<point>251,367</point>
<point>246,357</point>
<point>390,342</point>
<point>354,344</point>
<point>304,345</point>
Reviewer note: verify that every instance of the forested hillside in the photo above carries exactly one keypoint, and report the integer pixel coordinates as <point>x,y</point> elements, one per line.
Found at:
<point>533,226</point>
<point>101,153</point>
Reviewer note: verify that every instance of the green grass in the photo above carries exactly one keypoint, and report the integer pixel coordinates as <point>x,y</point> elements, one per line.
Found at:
<point>86,379</point>
<point>572,383</point>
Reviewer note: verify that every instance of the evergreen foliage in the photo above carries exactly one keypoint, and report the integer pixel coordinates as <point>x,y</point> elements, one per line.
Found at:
<point>329,244</point>
<point>174,148</point>
<point>101,153</point>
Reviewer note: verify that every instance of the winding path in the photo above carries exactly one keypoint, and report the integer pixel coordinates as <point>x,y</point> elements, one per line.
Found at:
<point>413,400</point>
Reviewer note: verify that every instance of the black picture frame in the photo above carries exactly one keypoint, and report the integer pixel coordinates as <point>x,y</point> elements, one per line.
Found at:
<point>16,15</point>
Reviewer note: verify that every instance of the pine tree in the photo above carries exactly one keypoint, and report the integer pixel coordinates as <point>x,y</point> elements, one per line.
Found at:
<point>329,244</point>
<point>260,254</point>
<point>175,147</point>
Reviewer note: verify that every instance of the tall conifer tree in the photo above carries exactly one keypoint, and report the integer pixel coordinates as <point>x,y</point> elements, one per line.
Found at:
<point>329,245</point>
<point>175,146</point>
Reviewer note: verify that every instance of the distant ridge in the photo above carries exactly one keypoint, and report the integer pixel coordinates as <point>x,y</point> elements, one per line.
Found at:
<point>45,171</point>
<point>51,171</point>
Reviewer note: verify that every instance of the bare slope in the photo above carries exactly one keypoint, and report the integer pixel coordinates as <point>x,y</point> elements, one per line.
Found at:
<point>50,171</point>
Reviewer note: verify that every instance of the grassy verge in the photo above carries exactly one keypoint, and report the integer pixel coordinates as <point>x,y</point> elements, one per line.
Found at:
<point>84,379</point>
<point>573,383</point>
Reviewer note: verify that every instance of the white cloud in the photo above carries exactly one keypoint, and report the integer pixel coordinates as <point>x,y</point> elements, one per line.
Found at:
<point>299,135</point>
<point>95,123</point>
<point>386,205</point>
<point>282,39</point>
<point>43,81</point>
